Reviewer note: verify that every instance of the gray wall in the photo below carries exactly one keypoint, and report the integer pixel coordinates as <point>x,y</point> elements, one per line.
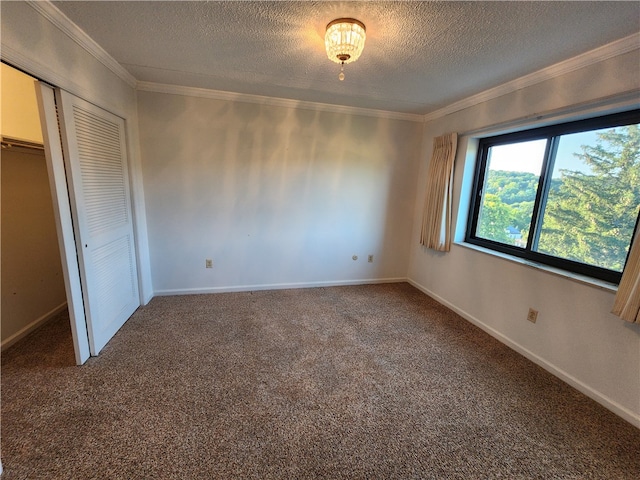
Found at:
<point>275,196</point>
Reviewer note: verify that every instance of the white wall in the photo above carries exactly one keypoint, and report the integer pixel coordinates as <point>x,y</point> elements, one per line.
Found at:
<point>38,40</point>
<point>276,196</point>
<point>575,336</point>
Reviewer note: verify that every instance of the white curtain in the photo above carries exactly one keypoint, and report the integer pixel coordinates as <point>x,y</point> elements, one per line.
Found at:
<point>627,302</point>
<point>436,220</point>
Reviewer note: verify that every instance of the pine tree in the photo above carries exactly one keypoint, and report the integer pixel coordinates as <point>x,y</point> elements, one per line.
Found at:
<point>590,217</point>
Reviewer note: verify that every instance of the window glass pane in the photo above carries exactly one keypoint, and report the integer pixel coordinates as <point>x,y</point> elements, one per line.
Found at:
<point>509,191</point>
<point>594,197</point>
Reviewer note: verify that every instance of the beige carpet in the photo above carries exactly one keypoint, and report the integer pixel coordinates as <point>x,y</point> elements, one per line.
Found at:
<point>375,382</point>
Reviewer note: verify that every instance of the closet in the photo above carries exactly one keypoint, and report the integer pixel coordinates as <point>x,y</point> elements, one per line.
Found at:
<point>32,283</point>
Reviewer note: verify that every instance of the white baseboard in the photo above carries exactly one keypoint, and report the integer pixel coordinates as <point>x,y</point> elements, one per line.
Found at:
<point>277,286</point>
<point>603,400</point>
<point>23,332</point>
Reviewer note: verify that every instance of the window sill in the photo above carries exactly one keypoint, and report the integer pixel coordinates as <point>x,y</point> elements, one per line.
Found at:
<point>592,282</point>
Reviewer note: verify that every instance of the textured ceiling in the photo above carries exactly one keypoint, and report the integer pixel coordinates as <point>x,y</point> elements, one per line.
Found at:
<point>418,56</point>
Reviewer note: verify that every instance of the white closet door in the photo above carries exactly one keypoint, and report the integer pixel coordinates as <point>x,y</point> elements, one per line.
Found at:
<point>97,171</point>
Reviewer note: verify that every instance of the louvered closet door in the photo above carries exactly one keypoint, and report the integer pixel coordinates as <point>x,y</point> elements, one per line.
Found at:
<point>97,172</point>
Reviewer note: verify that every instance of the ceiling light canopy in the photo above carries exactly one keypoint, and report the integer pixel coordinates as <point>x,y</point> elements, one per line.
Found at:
<point>344,41</point>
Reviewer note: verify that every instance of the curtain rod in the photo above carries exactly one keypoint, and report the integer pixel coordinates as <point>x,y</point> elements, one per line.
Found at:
<point>611,103</point>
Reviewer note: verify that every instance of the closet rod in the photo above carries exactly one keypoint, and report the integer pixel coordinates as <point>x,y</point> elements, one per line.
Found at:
<point>13,142</point>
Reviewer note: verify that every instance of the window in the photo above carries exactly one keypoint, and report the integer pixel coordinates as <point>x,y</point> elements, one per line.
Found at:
<point>565,195</point>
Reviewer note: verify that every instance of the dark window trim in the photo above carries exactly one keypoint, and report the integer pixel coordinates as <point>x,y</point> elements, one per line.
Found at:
<point>548,132</point>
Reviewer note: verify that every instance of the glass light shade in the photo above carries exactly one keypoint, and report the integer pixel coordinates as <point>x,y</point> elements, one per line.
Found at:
<point>344,40</point>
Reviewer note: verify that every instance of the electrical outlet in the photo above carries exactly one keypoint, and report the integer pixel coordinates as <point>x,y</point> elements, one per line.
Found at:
<point>370,260</point>
<point>532,316</point>
<point>208,263</point>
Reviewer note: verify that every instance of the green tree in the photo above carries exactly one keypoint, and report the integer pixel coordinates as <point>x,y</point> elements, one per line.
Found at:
<point>590,217</point>
<point>495,217</point>
<point>512,187</point>
<point>522,213</point>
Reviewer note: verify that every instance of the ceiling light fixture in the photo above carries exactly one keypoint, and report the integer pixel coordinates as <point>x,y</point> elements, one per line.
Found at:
<point>344,41</point>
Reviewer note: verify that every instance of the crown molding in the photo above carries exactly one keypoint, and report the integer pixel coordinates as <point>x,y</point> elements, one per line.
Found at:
<point>274,101</point>
<point>75,33</point>
<point>613,49</point>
